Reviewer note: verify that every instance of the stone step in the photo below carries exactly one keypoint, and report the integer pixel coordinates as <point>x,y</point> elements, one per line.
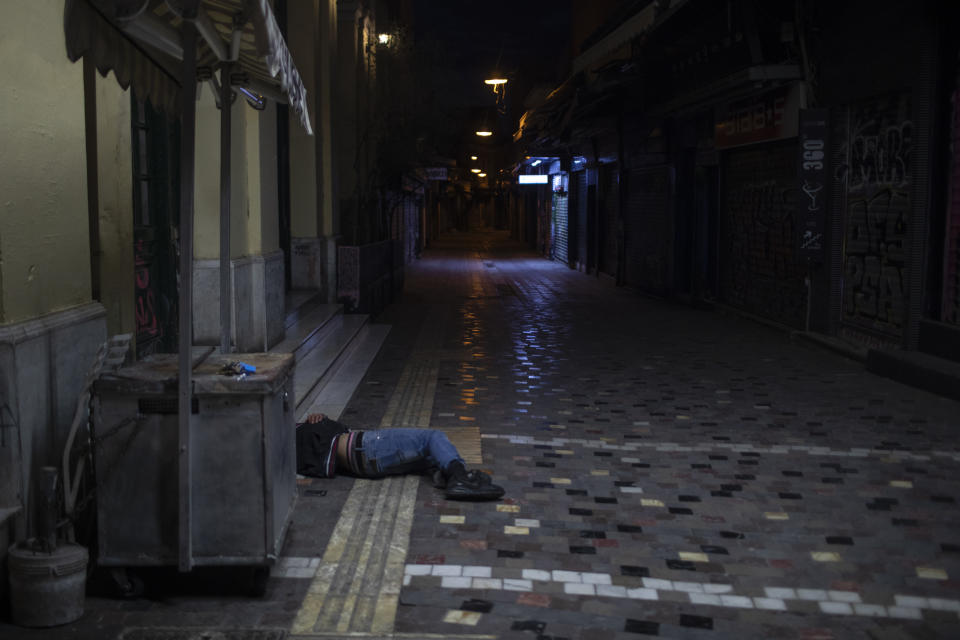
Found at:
<point>296,302</point>
<point>937,375</point>
<point>313,321</point>
<point>314,364</point>
<point>332,351</point>
<point>333,391</point>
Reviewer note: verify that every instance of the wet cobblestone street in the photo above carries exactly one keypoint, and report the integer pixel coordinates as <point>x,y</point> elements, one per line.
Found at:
<point>669,471</point>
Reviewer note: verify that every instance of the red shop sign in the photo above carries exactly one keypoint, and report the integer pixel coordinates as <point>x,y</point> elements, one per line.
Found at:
<point>761,118</point>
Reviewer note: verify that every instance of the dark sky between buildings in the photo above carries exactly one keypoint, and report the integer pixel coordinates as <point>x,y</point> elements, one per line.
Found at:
<point>526,40</point>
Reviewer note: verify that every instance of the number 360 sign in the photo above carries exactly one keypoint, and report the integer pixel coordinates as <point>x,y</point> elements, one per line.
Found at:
<point>812,201</point>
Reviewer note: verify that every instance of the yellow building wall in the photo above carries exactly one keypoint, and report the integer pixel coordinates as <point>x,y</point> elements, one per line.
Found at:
<point>251,229</point>
<point>325,115</point>
<point>44,245</point>
<point>262,178</point>
<point>206,180</point>
<point>302,26</point>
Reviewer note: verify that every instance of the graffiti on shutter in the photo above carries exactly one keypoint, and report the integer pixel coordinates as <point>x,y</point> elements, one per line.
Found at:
<point>876,179</point>
<point>759,270</point>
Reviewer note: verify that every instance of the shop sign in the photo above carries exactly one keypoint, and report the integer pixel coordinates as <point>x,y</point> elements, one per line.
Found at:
<point>812,199</point>
<point>761,118</point>
<point>436,173</point>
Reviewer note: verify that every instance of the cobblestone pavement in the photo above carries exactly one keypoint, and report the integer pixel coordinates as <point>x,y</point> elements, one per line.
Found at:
<point>669,472</point>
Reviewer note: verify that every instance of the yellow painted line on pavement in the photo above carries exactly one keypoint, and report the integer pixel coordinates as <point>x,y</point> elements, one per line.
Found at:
<point>356,590</point>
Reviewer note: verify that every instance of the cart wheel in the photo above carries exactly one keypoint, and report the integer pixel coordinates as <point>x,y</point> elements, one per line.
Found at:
<point>129,585</point>
<point>258,581</point>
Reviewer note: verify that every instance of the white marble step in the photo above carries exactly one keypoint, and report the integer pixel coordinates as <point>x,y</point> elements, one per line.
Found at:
<point>333,391</point>
<point>314,363</point>
<point>297,301</point>
<point>312,322</point>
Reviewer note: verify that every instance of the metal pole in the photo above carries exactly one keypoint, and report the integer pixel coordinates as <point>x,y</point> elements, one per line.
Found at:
<point>188,123</point>
<point>226,319</point>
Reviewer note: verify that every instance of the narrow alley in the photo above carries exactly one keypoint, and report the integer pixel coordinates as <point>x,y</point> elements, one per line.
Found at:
<point>679,280</point>
<point>669,471</point>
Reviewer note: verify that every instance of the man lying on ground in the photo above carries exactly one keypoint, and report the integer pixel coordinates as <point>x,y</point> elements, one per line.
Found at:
<point>325,446</point>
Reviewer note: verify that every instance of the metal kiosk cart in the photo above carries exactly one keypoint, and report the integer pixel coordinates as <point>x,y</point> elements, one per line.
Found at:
<point>243,464</point>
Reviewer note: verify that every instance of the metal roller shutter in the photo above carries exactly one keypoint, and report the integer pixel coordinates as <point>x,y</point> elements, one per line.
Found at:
<point>560,227</point>
<point>580,216</point>
<point>608,219</point>
<point>649,230</point>
<point>759,269</point>
<point>876,229</point>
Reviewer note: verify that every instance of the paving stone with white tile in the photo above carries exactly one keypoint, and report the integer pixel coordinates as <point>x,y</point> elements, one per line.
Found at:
<point>669,471</point>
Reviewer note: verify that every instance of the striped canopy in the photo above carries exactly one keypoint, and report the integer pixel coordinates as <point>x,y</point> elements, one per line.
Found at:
<point>140,41</point>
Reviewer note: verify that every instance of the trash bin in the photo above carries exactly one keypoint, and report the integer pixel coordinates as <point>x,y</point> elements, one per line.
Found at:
<point>243,462</point>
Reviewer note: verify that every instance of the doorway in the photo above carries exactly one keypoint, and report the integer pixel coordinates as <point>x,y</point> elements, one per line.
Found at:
<point>156,197</point>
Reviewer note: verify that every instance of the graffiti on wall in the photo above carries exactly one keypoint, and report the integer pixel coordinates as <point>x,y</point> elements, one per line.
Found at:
<point>760,272</point>
<point>145,302</point>
<point>876,180</point>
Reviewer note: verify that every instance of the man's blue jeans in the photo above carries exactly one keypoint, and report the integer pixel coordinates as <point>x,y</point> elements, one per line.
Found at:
<point>396,451</point>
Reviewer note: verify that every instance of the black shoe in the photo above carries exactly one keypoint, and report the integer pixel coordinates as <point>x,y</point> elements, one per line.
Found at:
<point>472,487</point>
<point>479,477</point>
<point>440,479</point>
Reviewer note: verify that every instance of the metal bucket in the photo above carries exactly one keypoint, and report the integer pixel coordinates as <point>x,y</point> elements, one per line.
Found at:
<point>47,589</point>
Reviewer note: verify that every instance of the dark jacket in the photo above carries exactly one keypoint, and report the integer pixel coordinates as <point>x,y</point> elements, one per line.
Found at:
<point>315,452</point>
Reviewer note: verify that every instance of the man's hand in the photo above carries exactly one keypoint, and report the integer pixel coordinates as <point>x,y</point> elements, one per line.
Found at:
<point>314,418</point>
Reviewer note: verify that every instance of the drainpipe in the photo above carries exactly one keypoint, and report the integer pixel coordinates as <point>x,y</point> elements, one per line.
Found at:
<point>226,108</point>
<point>93,181</point>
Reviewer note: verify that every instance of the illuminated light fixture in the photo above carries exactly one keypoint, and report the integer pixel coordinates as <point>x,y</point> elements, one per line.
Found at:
<point>533,179</point>
<point>483,133</point>
<point>535,163</point>
<point>384,38</point>
<point>473,157</point>
<point>495,81</point>
<point>481,175</point>
<point>475,170</point>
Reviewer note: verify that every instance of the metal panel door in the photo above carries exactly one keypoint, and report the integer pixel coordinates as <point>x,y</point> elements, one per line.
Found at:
<point>648,226</point>
<point>759,269</point>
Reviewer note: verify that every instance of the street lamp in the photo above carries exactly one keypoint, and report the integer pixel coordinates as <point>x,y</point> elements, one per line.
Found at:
<point>483,133</point>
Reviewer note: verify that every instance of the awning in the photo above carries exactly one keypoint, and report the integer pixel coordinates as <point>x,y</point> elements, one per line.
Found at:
<point>141,42</point>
